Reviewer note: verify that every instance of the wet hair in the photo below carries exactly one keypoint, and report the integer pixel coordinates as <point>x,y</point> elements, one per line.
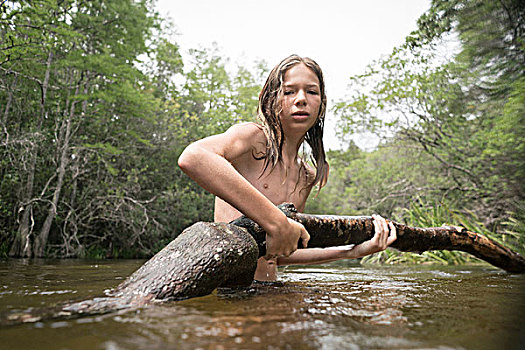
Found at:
<point>270,107</point>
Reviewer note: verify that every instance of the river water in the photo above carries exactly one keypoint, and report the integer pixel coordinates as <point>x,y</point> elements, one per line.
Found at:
<point>335,306</point>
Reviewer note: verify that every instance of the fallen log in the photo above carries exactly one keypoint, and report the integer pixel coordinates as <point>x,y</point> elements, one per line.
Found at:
<point>203,257</point>
<point>329,230</point>
<point>210,255</point>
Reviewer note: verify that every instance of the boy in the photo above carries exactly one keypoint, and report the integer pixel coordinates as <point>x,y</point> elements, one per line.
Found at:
<point>253,167</point>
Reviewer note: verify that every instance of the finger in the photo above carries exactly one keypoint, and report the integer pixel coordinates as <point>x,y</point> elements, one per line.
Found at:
<point>380,226</point>
<point>393,233</point>
<point>376,240</point>
<point>305,237</point>
<point>375,221</point>
<point>386,231</point>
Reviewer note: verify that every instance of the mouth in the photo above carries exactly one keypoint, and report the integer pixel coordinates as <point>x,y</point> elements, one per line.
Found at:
<point>300,114</point>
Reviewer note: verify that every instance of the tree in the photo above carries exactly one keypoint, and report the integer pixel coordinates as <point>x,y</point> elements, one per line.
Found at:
<point>96,108</point>
<point>79,57</point>
<point>462,111</point>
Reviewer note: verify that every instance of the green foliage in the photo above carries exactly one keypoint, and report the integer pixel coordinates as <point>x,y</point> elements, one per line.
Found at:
<point>514,230</point>
<point>382,181</point>
<point>211,100</point>
<point>465,112</point>
<point>98,106</point>
<point>4,249</point>
<point>420,215</point>
<point>438,214</point>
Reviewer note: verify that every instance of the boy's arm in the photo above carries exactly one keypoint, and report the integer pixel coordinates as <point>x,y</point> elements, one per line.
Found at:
<point>385,234</point>
<point>207,161</point>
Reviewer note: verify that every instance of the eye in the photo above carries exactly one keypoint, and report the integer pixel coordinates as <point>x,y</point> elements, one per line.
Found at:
<point>288,92</point>
<point>313,92</point>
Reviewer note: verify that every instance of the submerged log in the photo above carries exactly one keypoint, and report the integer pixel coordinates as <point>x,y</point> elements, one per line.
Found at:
<point>203,257</point>
<point>329,231</point>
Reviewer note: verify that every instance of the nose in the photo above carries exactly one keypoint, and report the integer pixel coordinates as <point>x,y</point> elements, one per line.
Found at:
<point>300,97</point>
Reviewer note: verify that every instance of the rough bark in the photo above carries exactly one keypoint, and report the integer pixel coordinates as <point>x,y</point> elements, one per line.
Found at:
<point>203,257</point>
<point>328,231</point>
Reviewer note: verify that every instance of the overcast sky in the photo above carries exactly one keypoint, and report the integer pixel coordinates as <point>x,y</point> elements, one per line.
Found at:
<point>343,36</point>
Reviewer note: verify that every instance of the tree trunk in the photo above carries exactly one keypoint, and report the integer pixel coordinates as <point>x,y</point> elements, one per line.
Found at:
<point>209,255</point>
<point>41,239</point>
<point>21,246</point>
<point>203,257</point>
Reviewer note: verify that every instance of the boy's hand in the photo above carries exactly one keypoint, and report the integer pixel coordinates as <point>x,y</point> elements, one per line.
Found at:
<point>284,242</point>
<point>385,234</point>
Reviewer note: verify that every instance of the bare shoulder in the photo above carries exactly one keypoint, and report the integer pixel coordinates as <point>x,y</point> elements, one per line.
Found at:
<point>247,130</point>
<point>244,138</point>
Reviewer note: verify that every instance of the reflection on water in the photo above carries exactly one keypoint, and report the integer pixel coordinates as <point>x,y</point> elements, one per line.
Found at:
<point>338,306</point>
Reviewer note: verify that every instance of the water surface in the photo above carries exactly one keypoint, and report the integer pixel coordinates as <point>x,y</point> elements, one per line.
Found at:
<point>335,306</point>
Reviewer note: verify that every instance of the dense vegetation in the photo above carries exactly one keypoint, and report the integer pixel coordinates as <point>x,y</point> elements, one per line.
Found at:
<point>92,124</point>
<point>97,104</point>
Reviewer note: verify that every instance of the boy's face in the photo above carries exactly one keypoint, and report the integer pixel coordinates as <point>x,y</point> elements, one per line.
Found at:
<point>301,99</point>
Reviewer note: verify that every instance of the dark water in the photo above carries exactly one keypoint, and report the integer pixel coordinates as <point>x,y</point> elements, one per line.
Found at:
<point>338,306</point>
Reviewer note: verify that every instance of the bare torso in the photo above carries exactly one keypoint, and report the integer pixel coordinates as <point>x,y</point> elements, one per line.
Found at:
<point>287,182</point>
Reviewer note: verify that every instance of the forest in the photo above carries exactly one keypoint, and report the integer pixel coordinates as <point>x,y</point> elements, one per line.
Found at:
<point>97,103</point>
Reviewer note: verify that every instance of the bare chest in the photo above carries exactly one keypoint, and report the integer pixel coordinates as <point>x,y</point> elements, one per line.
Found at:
<point>280,185</point>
